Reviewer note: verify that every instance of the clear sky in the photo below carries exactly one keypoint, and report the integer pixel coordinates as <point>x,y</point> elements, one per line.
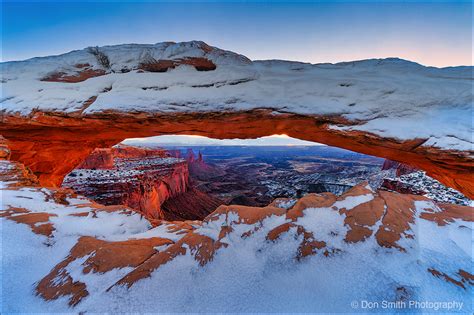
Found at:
<point>432,33</point>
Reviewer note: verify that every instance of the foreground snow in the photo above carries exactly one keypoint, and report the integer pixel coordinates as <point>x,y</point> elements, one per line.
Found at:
<point>390,97</point>
<point>296,258</point>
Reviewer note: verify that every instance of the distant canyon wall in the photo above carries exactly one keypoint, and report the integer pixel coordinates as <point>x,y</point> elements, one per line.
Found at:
<point>143,179</point>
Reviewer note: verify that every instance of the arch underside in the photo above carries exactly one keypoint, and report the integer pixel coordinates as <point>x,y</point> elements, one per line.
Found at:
<point>52,144</point>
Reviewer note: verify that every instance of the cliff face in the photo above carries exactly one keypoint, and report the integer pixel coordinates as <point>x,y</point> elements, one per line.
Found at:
<point>190,205</point>
<point>394,184</point>
<point>401,169</point>
<point>139,178</point>
<point>103,158</point>
<point>14,173</point>
<point>98,159</point>
<point>125,151</point>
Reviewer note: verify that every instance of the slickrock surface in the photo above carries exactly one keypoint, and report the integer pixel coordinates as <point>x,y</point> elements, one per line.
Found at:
<point>83,257</point>
<point>56,110</point>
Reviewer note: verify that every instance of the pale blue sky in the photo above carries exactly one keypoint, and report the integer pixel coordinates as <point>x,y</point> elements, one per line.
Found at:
<point>432,33</point>
<point>275,140</point>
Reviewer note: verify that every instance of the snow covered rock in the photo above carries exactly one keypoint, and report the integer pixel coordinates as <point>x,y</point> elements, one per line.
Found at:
<point>317,254</point>
<point>97,97</point>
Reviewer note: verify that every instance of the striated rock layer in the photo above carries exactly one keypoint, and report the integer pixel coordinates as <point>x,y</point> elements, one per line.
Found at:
<point>147,180</point>
<point>400,168</point>
<point>57,110</point>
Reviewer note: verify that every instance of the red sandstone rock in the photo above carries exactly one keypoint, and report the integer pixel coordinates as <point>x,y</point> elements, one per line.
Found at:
<point>98,159</point>
<point>192,204</point>
<point>37,221</point>
<point>146,180</point>
<point>198,168</point>
<point>16,174</point>
<point>442,275</point>
<point>308,246</point>
<point>387,212</point>
<point>310,201</point>
<point>55,135</point>
<point>104,256</point>
<point>143,184</point>
<point>401,187</point>
<point>202,247</point>
<point>126,151</point>
<point>402,169</point>
<point>448,214</point>
<point>361,218</point>
<point>53,145</point>
<point>102,158</point>
<point>4,149</point>
<point>75,77</point>
<point>201,64</point>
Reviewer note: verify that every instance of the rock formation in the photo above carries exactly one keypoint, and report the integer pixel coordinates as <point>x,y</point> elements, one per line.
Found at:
<point>198,168</point>
<point>99,159</point>
<point>400,168</point>
<point>398,186</point>
<point>189,205</point>
<point>57,110</point>
<point>147,180</point>
<point>409,180</point>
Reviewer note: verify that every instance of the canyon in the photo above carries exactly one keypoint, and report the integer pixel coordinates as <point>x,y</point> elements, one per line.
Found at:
<point>149,181</point>
<point>256,175</point>
<point>188,183</point>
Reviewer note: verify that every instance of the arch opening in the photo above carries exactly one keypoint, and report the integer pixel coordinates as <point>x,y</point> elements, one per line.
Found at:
<point>186,177</point>
<point>52,145</point>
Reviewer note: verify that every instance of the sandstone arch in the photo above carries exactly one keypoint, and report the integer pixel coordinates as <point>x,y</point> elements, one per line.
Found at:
<point>53,145</point>
<point>56,110</point>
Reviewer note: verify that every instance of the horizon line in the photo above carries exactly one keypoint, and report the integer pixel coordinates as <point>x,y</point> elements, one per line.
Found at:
<point>253,60</point>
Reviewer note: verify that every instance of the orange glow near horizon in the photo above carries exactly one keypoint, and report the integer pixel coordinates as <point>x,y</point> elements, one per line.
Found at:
<point>432,33</point>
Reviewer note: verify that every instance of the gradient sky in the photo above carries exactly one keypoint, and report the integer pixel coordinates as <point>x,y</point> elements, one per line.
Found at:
<point>185,140</point>
<point>431,33</point>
